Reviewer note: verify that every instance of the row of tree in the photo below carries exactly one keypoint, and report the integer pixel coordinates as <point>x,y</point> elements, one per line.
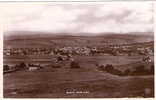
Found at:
<point>139,70</point>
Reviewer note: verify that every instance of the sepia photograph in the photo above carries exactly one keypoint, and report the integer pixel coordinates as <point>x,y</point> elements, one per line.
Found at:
<point>78,50</point>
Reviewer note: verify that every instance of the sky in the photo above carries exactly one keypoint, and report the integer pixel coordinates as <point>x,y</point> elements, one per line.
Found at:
<point>78,18</point>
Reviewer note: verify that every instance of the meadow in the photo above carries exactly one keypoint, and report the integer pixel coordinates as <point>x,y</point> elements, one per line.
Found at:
<point>85,81</point>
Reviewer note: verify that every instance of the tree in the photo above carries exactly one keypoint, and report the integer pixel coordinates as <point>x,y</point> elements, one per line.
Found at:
<point>152,69</point>
<point>74,64</point>
<point>6,67</point>
<point>109,68</point>
<point>117,72</point>
<point>127,72</point>
<point>22,65</point>
<point>139,70</point>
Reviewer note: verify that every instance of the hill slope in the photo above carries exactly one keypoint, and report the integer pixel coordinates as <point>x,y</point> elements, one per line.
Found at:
<point>47,40</point>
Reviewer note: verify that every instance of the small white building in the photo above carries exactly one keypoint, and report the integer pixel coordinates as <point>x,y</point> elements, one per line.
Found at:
<point>33,68</point>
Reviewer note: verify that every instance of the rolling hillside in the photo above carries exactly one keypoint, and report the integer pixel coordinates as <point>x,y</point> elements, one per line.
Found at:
<point>48,40</point>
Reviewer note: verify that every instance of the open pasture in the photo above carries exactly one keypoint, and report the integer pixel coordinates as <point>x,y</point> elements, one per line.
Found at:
<point>86,81</point>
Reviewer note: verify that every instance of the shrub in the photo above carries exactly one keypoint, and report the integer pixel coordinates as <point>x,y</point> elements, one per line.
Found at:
<point>127,72</point>
<point>17,66</point>
<point>152,69</point>
<point>117,72</point>
<point>6,67</point>
<point>100,67</point>
<point>109,68</point>
<point>56,66</point>
<point>74,64</point>
<point>21,66</point>
<point>140,70</point>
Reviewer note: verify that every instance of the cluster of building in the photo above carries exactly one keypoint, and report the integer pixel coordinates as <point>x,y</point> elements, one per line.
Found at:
<point>67,53</point>
<point>21,66</point>
<point>48,51</point>
<point>111,50</point>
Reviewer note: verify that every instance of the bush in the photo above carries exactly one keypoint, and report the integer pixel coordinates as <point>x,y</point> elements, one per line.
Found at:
<point>6,67</point>
<point>127,72</point>
<point>109,68</point>
<point>117,72</point>
<point>140,70</point>
<point>56,66</point>
<point>22,65</point>
<point>152,69</point>
<point>59,58</point>
<point>100,67</point>
<point>17,66</point>
<point>74,64</point>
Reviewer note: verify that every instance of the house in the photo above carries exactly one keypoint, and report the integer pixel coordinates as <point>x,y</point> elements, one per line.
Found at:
<point>32,67</point>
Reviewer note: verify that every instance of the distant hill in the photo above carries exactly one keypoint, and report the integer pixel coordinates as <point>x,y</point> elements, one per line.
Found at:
<point>39,39</point>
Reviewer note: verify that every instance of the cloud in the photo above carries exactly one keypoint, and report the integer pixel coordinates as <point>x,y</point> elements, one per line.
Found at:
<point>79,18</point>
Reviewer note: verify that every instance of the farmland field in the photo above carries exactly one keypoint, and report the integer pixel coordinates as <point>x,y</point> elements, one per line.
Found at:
<point>86,81</point>
<point>117,60</point>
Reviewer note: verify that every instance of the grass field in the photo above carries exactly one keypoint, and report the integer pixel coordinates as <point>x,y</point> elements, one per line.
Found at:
<point>84,82</point>
<point>107,59</point>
